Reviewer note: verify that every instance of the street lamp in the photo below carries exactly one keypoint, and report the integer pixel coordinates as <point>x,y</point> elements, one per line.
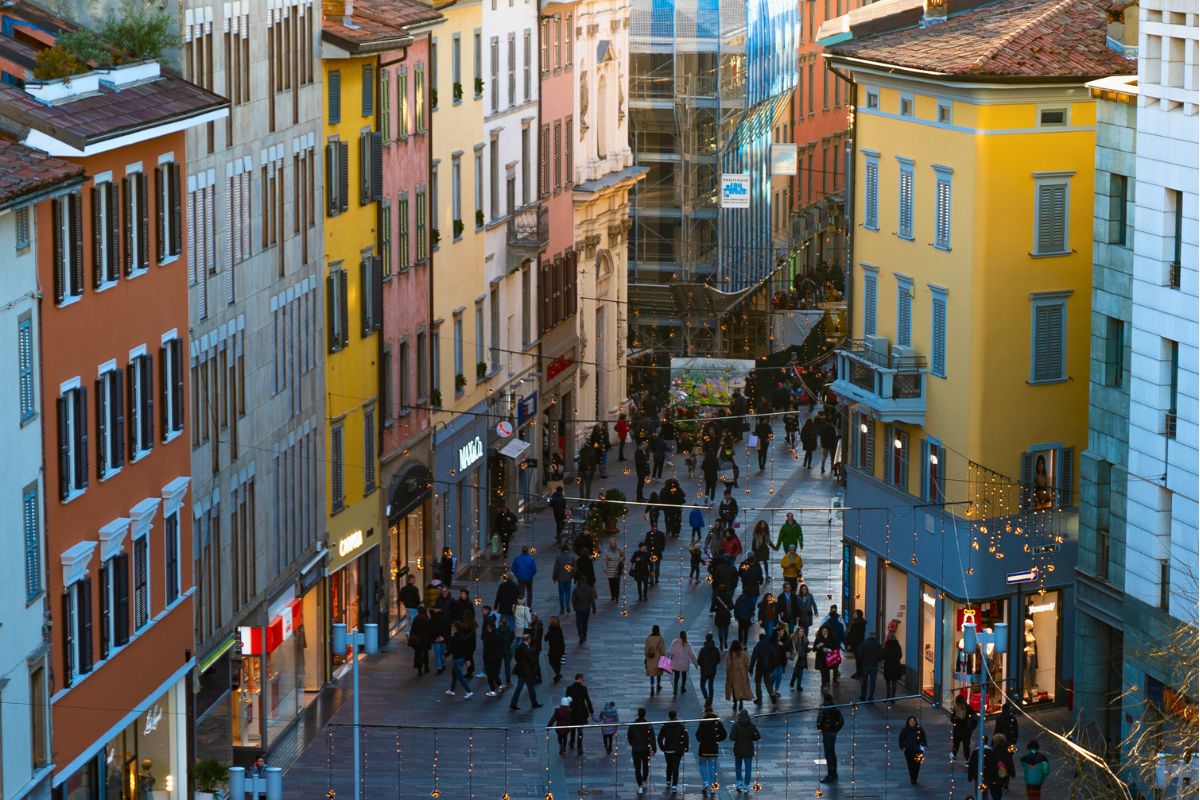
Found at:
<point>987,640</point>
<point>369,639</point>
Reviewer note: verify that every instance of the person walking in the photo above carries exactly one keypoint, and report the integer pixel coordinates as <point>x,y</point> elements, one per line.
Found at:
<point>602,444</point>
<point>829,722</point>
<point>790,534</point>
<point>556,647</point>
<point>722,617</point>
<point>439,634</point>
<point>641,467</point>
<point>1036,767</point>
<point>696,519</point>
<point>826,655</point>
<point>995,771</point>
<point>558,506</point>
<point>743,611</point>
<point>507,635</point>
<point>893,666</point>
<point>418,639</point>
<point>792,566</point>
<point>614,563</point>
<point>708,660</point>
<point>808,441</point>
<point>855,635</point>
<point>784,650</point>
<point>581,710</point>
<point>962,721</point>
<point>639,570</point>
<point>913,743</point>
<point>653,651</point>
<point>582,599</point>
<point>561,721</point>
<point>682,657</point>
<point>674,742</point>
<point>763,661</point>
<point>828,435</point>
<point>555,472</point>
<point>410,596</point>
<point>800,646</point>
<point>709,735</point>
<point>658,453</point>
<point>524,567</point>
<point>562,573</point>
<point>507,595</point>
<point>791,424</point>
<point>768,614</point>
<point>870,654</point>
<point>587,469</point>
<point>506,527</point>
<point>737,676</point>
<point>742,735</point>
<point>526,671</point>
<point>710,466</point>
<point>656,542</point>
<point>608,725</point>
<point>621,427</point>
<point>642,745</point>
<point>460,650</point>
<point>1006,726</point>
<point>806,608</point>
<point>493,655</point>
<point>695,561</point>
<point>672,499</point>
<point>760,546</point>
<point>763,433</point>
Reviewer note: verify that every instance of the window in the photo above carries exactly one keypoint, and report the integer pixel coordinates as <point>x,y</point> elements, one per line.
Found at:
<point>873,98</point>
<point>405,380</point>
<point>72,442</point>
<point>494,91</point>
<point>419,98</point>
<point>896,466</point>
<point>941,236</point>
<point>1164,584</point>
<point>169,220</point>
<point>368,448</point>
<point>67,241</point>
<point>937,347</point>
<point>23,233</point>
<point>1175,209</point>
<point>944,116</point>
<point>526,306</point>
<point>39,708</point>
<point>135,224</point>
<point>458,351</point>
<point>1172,353</point>
<point>422,370</point>
<point>337,308</point>
<point>494,175</point>
<point>871,207</point>
<point>402,246</point>
<point>114,603</point>
<point>1118,193</point>
<point>494,305</point>
<point>422,239</point>
<point>526,158</point>
<point>139,418</point>
<point>906,105</point>
<point>568,33</point>
<point>1052,118</point>
<point>371,293</point>
<point>870,298</point>
<point>512,69</point>
<point>933,483</point>
<point>1050,218</point>
<point>337,485</point>
<point>456,66</point>
<point>904,294</point>
<point>385,238</point>
<point>173,563</point>
<point>402,103</point>
<point>1047,477</point>
<point>569,150</point>
<point>333,93</point>
<point>77,630</point>
<point>544,46</point>
<point>337,177</point>
<point>385,105</point>
<point>479,186</point>
<point>479,339</point>
<point>106,235</point>
<point>557,156</point>
<point>170,363</point>
<point>1103,509</point>
<point>544,161</point>
<point>865,451</point>
<point>556,42</point>
<point>370,167</point>
<point>31,523</point>
<point>25,374</point>
<point>1048,362</point>
<point>905,219</point>
<point>141,582</point>
<point>433,203</point>
<point>433,75</point>
<point>435,364</point>
<point>1114,351</point>
<point>527,79</point>
<point>478,65</point>
<point>456,195</point>
<point>110,419</point>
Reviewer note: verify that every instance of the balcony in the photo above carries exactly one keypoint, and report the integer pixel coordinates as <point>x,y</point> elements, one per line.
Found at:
<point>528,234</point>
<point>888,380</point>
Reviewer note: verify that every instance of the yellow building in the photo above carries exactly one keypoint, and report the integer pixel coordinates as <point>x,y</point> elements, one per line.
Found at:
<point>353,317</point>
<point>965,379</point>
<point>459,288</point>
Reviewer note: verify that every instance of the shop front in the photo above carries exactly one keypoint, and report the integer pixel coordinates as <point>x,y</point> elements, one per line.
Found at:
<point>967,668</point>
<point>268,676</point>
<point>408,549</point>
<point>357,593</point>
<point>557,401</point>
<point>927,672</point>
<point>460,475</point>
<point>893,606</point>
<point>1038,643</point>
<point>854,581</point>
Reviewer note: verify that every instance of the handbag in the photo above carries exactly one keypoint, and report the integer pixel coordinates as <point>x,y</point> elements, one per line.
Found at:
<point>833,658</point>
<point>752,441</point>
<point>664,663</point>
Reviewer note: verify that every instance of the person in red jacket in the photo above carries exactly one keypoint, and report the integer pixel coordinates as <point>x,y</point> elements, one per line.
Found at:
<point>622,429</point>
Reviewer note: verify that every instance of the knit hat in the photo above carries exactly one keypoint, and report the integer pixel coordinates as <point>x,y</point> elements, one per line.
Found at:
<point>566,701</point>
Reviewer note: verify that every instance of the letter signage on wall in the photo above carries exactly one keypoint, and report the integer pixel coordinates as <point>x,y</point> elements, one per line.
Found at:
<point>735,191</point>
<point>469,453</point>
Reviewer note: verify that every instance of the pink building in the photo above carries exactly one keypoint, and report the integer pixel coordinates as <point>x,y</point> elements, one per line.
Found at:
<point>407,357</point>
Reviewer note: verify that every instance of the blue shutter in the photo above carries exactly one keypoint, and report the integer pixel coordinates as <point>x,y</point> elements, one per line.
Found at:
<point>903,482</point>
<point>942,233</point>
<point>888,457</point>
<point>1066,477</point>
<point>938,346</point>
<point>1048,362</point>
<point>870,284</point>
<point>333,88</point>
<point>25,366</point>
<point>1026,481</point>
<point>33,545</point>
<point>906,203</point>
<point>924,469</point>
<point>871,218</point>
<point>1052,218</point>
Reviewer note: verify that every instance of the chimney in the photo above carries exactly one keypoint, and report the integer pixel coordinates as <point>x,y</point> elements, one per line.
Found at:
<point>935,12</point>
<point>348,13</point>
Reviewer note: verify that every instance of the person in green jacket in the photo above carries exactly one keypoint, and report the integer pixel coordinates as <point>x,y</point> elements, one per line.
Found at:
<point>1037,767</point>
<point>790,534</point>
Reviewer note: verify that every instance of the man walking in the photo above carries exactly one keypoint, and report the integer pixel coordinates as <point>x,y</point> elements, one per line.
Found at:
<point>526,672</point>
<point>558,505</point>
<point>641,746</point>
<point>564,571</point>
<point>581,710</point>
<point>763,433</point>
<point>524,567</point>
<point>866,660</point>
<point>763,661</point>
<point>581,600</point>
<point>658,450</point>
<point>673,740</point>
<point>506,526</point>
<point>641,467</point>
<point>829,722</point>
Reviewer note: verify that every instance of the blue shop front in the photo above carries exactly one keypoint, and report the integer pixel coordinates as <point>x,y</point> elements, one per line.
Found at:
<point>461,485</point>
<point>922,570</point>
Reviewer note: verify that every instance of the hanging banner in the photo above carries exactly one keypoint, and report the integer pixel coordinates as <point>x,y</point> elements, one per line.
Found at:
<point>785,159</point>
<point>735,191</point>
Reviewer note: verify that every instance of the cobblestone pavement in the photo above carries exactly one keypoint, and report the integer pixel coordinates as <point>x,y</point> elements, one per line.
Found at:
<point>416,740</point>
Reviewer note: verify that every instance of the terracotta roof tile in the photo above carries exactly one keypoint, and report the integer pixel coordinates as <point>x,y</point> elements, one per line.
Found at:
<point>1009,38</point>
<point>24,170</point>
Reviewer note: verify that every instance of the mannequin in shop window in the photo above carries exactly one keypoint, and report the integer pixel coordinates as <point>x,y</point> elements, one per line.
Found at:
<point>1030,665</point>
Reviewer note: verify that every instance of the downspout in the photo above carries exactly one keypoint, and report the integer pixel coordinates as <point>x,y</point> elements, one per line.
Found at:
<point>848,220</point>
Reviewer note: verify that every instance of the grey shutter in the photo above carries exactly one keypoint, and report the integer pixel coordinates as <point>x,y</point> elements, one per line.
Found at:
<point>377,291</point>
<point>888,458</point>
<point>77,242</point>
<point>376,166</point>
<point>904,451</point>
<point>135,413</point>
<point>101,427</point>
<point>160,212</point>
<point>68,638</point>
<point>127,224</point>
<point>97,240</point>
<point>343,176</point>
<point>85,625</point>
<point>1026,481</point>
<point>364,168</point>
<point>58,213</point>
<point>105,611</point>
<point>938,350</point>
<point>366,302</point>
<point>146,416</point>
<point>904,316</point>
<point>1066,477</point>
<point>114,227</point>
<point>332,204</point>
<point>64,449</point>
<point>81,451</point>
<point>1048,342</point>
<point>334,88</point>
<point>872,212</point>
<point>164,387</point>
<point>343,308</point>
<point>177,385</point>
<point>870,295</point>
<point>175,198</point>
<point>906,201</point>
<point>121,599</point>
<point>334,340</point>
<point>368,90</point>
<point>117,401</point>
<point>943,213</point>
<point>1052,218</point>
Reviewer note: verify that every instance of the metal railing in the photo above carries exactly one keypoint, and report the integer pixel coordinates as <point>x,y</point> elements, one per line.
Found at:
<point>529,227</point>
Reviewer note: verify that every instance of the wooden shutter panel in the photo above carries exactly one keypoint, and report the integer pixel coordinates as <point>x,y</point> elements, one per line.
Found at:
<point>177,385</point>
<point>64,449</point>
<point>105,611</point>
<point>1052,201</point>
<point>334,87</point>
<point>904,454</point>
<point>331,183</point>
<point>377,290</point>
<point>175,198</point>
<point>68,638</point>
<point>97,240</point>
<point>869,304</point>
<point>121,599</point>
<point>343,176</point>
<point>544,295</point>
<point>77,243</point>
<point>117,401</point>
<point>870,465</point>
<point>365,301</point>
<point>334,339</point>
<point>368,90</point>
<point>114,224</point>
<point>872,212</point>
<point>135,413</point>
<point>81,452</point>
<point>101,427</point>
<point>1066,477</point>
<point>1026,481</point>
<point>60,278</point>
<point>938,351</point>
<point>85,625</point>
<point>164,386</point>
<point>146,417</point>
<point>376,166</point>
<point>126,224</point>
<point>343,308</point>
<point>160,212</point>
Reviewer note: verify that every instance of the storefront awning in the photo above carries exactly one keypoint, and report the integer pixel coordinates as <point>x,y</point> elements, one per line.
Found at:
<point>515,449</point>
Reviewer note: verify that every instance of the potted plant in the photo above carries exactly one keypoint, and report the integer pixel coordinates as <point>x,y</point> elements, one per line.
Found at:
<point>611,508</point>
<point>433,98</point>
<point>457,91</point>
<point>460,382</point>
<point>481,369</point>
<point>210,775</point>
<point>458,228</point>
<point>435,398</point>
<point>479,87</point>
<point>435,236</point>
<point>479,218</point>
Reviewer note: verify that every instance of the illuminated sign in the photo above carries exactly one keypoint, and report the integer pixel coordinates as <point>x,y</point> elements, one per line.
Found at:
<point>928,599</point>
<point>469,453</point>
<point>350,543</point>
<point>1037,609</point>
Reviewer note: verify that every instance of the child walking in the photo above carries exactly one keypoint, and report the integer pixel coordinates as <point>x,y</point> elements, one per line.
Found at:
<point>609,720</point>
<point>697,557</point>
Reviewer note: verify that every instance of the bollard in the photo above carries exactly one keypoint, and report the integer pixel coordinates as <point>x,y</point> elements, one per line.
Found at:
<point>274,783</point>
<point>338,638</point>
<point>371,637</point>
<point>256,786</point>
<point>237,783</point>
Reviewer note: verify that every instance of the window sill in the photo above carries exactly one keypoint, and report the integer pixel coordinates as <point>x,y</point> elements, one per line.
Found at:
<point>867,227</point>
<point>110,473</point>
<point>1052,254</point>
<point>337,509</point>
<point>172,436</point>
<point>137,273</point>
<point>139,455</point>
<point>29,419</point>
<point>945,248</point>
<point>903,237</point>
<point>74,493</point>
<point>1046,381</point>
<point>105,286</point>
<point>69,301</point>
<point>171,259</point>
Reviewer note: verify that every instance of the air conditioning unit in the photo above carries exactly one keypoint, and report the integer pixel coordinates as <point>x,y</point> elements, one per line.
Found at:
<point>901,355</point>
<point>878,346</point>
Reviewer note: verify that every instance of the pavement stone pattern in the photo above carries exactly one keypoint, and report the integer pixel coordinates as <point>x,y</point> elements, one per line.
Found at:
<point>417,741</point>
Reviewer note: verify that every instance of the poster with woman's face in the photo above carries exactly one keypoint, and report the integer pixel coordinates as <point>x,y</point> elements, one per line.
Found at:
<point>1044,479</point>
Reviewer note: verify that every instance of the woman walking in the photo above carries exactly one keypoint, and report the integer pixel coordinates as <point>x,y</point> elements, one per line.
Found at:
<point>962,725</point>
<point>556,647</point>
<point>722,617</point>
<point>493,656</point>
<point>639,570</point>
<point>682,656</point>
<point>783,646</point>
<point>800,643</point>
<point>708,660</point>
<point>808,442</point>
<point>614,562</point>
<point>653,650</point>
<point>418,640</point>
<point>742,735</point>
<point>806,607</point>
<point>737,676</point>
<point>709,468</point>
<point>913,742</point>
<point>760,546</point>
<point>709,735</point>
<point>768,614</point>
<point>893,664</point>
<point>823,647</point>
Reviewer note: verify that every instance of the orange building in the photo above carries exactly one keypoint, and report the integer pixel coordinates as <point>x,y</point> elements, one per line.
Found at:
<point>114,341</point>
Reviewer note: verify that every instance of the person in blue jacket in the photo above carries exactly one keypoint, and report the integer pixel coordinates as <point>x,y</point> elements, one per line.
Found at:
<point>696,520</point>
<point>523,569</point>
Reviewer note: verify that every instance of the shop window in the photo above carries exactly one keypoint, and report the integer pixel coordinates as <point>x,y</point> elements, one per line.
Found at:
<point>968,667</point>
<point>933,486</point>
<point>1038,658</point>
<point>866,444</point>
<point>893,605</point>
<point>928,640</point>
<point>1047,478</point>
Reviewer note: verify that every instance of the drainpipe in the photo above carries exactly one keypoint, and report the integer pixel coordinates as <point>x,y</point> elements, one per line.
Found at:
<point>848,220</point>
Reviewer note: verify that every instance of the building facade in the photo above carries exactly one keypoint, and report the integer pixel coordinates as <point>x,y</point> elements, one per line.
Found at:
<point>964,398</point>
<point>31,180</point>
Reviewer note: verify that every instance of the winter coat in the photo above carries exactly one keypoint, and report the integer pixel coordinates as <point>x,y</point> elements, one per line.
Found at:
<point>1006,724</point>
<point>737,676</point>
<point>751,577</point>
<point>828,436</point>
<point>656,542</point>
<point>639,565</point>
<point>790,533</point>
<point>673,738</point>
<point>696,518</point>
<point>991,765</point>
<point>461,645</point>
<point>821,646</point>
<point>493,647</point>
<point>792,566</point>
<point>556,645</point>
<point>868,655</point>
<point>535,630</point>
<point>524,567</point>
<point>609,719</point>
<point>856,634</point>
<point>641,737</point>
<point>764,658</point>
<point>893,657</point>
<point>581,703</point>
<point>727,512</point>
<point>743,607</point>
<point>912,740</point>
<point>808,436</point>
<point>760,545</point>
<point>709,735</point>
<point>561,718</point>
<point>418,633</point>
<point>767,611</point>
<point>525,662</point>
<point>763,431</point>
<point>806,608</point>
<point>641,462</point>
<point>654,649</point>
<point>830,720</point>
<point>1036,768</point>
<point>507,594</point>
<point>742,735</point>
<point>614,560</point>
<point>721,617</point>
<point>708,660</point>
<point>583,596</point>
<point>682,655</point>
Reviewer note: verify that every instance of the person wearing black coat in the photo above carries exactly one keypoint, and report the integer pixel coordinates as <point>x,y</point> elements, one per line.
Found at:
<point>893,664</point>
<point>507,594</point>
<point>823,644</point>
<point>869,654</point>
<point>581,710</point>
<point>672,498</point>
<point>722,617</point>
<point>708,660</point>
<point>673,741</point>
<point>829,722</point>
<point>641,466</point>
<point>808,441</point>
<point>658,451</point>
<point>493,655</point>
<point>763,432</point>
<point>763,661</point>
<point>742,735</point>
<point>992,758</point>
<point>709,467</point>
<point>962,726</point>
<point>1006,726</point>
<point>709,735</point>
<point>461,649</point>
<point>526,671</point>
<point>556,647</point>
<point>657,543</point>
<point>855,634</point>
<point>641,746</point>
<point>828,435</point>
<point>419,640</point>
<point>558,505</point>
<point>913,742</point>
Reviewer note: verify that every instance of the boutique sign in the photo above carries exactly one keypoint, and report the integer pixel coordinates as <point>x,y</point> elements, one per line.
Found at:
<point>469,453</point>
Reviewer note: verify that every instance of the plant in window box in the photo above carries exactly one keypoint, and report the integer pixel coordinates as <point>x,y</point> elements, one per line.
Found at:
<point>481,369</point>
<point>435,236</point>
<point>460,382</point>
<point>433,98</point>
<point>210,776</point>
<point>435,397</point>
<point>479,87</point>
<point>457,91</point>
<point>479,218</point>
<point>458,228</point>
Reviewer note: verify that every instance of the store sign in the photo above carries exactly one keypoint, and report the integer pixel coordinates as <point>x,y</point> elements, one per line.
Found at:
<point>785,159</point>
<point>504,429</point>
<point>928,599</point>
<point>527,409</point>
<point>735,191</point>
<point>469,453</point>
<point>1024,576</point>
<point>349,543</point>
<point>558,366</point>
<point>281,628</point>
<point>1040,607</point>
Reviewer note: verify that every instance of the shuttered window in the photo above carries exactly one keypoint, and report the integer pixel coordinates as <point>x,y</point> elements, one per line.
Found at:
<point>369,449</point>
<point>371,293</point>
<point>27,390</point>
<point>385,105</point>
<point>896,460</point>
<point>941,238</point>
<point>870,298</point>
<point>110,422</point>
<point>865,455</point>
<point>368,90</point>
<point>402,252</point>
<point>72,442</point>
<point>106,234</point>
<point>401,102</point>
<point>30,514</point>
<point>333,93</point>
<point>67,241</point>
<point>337,484</point>
<point>494,89</point>
<point>903,312</point>
<point>871,212</point>
<point>385,238</point>
<point>170,362</point>
<point>1050,236</point>
<point>169,211</point>
<point>141,582</point>
<point>1049,340</point>
<point>937,345</point>
<point>171,542</point>
<point>337,309</point>
<point>421,242</point>
<point>139,382</point>
<point>905,221</point>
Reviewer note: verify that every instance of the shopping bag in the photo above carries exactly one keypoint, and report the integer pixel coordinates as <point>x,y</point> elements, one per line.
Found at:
<point>664,663</point>
<point>752,441</point>
<point>833,658</point>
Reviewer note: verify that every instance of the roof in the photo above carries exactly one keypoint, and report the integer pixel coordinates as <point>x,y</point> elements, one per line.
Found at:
<point>25,171</point>
<point>1016,39</point>
<point>111,110</point>
<point>379,24</point>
